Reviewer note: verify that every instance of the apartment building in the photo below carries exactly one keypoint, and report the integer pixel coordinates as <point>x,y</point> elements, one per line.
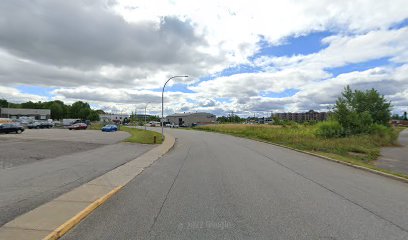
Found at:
<point>302,117</point>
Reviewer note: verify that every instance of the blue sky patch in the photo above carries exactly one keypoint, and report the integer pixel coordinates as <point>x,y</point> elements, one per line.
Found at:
<point>401,24</point>
<point>307,44</point>
<point>286,93</point>
<point>237,70</point>
<point>362,66</point>
<point>178,87</point>
<point>35,90</point>
<point>301,45</point>
<point>223,100</point>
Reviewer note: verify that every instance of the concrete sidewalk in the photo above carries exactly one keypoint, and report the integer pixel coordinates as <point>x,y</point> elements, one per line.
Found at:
<point>55,218</point>
<point>395,158</point>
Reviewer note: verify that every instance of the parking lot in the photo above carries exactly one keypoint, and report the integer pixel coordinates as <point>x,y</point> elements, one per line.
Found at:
<point>41,164</point>
<point>38,144</point>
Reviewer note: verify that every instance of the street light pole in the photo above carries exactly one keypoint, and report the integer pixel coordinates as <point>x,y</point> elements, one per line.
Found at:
<point>145,115</point>
<point>161,120</point>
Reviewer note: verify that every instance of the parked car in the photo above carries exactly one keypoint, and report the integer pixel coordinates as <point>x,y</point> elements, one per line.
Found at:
<point>39,124</point>
<point>70,121</point>
<point>25,120</point>
<point>153,124</point>
<point>34,124</point>
<point>172,125</point>
<point>57,123</point>
<point>46,125</point>
<point>78,126</point>
<point>110,128</point>
<point>9,128</point>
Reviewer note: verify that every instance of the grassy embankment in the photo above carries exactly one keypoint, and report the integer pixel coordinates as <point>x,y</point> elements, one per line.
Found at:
<point>359,149</point>
<point>137,135</point>
<point>95,126</point>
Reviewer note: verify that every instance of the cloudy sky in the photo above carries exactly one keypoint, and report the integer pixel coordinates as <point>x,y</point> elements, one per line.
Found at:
<point>242,56</point>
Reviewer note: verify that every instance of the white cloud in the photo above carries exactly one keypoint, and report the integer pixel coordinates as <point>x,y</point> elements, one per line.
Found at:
<point>235,26</point>
<point>115,54</point>
<point>343,49</point>
<point>16,96</point>
<point>308,73</point>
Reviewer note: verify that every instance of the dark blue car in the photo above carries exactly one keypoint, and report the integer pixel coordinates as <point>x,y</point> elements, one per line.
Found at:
<point>110,128</point>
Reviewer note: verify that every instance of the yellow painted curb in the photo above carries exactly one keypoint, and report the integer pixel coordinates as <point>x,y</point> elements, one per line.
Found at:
<point>68,225</point>
<point>64,228</point>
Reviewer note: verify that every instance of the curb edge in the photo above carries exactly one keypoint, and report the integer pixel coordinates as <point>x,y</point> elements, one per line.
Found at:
<point>389,175</point>
<point>71,223</point>
<point>75,220</point>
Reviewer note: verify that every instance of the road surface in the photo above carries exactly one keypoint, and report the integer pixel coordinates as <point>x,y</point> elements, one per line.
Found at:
<point>396,158</point>
<point>213,186</point>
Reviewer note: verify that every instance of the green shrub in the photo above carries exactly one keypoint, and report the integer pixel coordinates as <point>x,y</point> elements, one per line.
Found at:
<point>310,123</point>
<point>329,129</point>
<point>357,111</point>
<point>379,130</point>
<point>290,124</point>
<point>383,133</point>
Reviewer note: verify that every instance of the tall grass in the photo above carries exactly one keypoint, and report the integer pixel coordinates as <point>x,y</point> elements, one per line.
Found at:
<point>363,148</point>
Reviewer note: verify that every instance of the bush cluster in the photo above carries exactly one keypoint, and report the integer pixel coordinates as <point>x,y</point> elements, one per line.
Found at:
<point>333,129</point>
<point>329,129</point>
<point>358,112</point>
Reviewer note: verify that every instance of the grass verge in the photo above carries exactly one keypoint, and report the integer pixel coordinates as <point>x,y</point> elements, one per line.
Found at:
<point>359,150</point>
<point>95,126</point>
<point>141,136</point>
<point>138,135</point>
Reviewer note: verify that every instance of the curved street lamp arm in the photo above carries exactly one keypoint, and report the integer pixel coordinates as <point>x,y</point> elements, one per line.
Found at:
<point>161,120</point>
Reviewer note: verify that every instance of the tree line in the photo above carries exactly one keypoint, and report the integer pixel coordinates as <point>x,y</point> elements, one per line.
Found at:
<point>231,118</point>
<point>59,109</point>
<point>398,117</point>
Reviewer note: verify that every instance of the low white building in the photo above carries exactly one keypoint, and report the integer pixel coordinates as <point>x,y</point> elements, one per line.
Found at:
<point>113,117</point>
<point>16,113</point>
<point>191,119</point>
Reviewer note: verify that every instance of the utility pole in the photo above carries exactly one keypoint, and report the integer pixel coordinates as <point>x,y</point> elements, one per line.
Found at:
<point>145,115</point>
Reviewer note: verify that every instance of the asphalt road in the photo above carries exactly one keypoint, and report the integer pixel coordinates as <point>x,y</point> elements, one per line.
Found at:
<point>40,165</point>
<point>396,158</point>
<point>213,186</point>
